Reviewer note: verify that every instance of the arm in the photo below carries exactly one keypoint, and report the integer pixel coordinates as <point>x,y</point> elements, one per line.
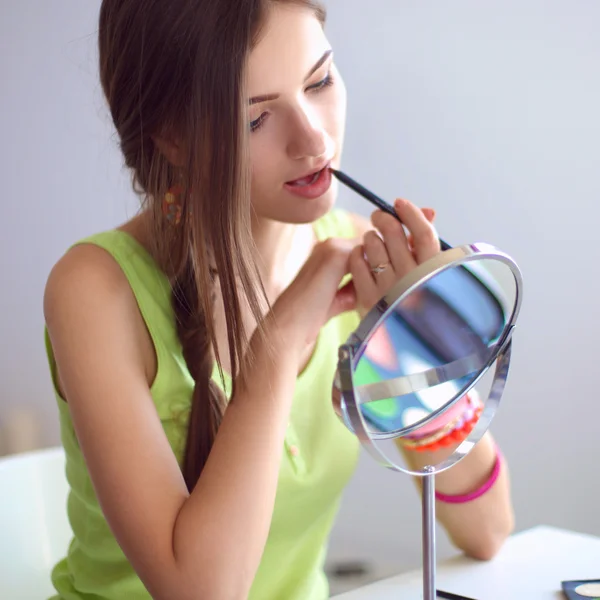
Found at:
<point>478,527</point>
<point>181,545</point>
<point>208,543</point>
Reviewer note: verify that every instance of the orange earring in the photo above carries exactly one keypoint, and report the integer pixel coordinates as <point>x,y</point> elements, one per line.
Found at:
<point>171,205</point>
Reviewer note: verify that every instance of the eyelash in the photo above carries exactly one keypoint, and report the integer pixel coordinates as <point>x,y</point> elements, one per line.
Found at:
<point>316,88</point>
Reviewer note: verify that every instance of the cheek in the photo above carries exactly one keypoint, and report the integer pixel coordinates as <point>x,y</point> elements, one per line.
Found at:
<point>265,166</point>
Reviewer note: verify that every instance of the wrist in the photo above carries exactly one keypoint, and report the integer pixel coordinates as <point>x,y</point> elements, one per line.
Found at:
<point>475,492</point>
<point>270,361</point>
<point>450,429</point>
<point>472,471</point>
<point>286,336</point>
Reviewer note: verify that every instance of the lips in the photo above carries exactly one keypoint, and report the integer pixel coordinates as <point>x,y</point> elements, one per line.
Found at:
<point>308,178</point>
<point>304,181</point>
<point>311,185</point>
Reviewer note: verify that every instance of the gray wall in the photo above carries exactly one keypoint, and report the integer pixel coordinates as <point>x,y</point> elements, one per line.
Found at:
<point>486,111</point>
<point>489,112</point>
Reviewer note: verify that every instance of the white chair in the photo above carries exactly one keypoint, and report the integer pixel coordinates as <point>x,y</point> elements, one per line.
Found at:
<point>34,530</point>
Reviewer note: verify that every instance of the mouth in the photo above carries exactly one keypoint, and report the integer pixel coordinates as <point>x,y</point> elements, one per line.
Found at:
<point>309,179</point>
<point>311,185</point>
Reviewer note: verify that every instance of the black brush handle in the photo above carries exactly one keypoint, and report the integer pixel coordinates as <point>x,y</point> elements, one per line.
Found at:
<point>373,199</point>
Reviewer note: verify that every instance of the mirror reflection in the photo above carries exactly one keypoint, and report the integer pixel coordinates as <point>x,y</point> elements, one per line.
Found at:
<point>432,347</point>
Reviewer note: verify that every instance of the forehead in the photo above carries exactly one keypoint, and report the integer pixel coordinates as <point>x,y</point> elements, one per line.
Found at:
<point>292,41</point>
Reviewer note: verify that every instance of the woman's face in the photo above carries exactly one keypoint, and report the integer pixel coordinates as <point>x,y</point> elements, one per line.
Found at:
<point>296,112</point>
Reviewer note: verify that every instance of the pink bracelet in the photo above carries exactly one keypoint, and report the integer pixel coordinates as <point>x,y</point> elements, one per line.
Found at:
<point>462,498</point>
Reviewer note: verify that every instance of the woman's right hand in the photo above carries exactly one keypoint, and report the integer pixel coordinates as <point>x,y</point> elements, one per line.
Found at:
<point>314,297</point>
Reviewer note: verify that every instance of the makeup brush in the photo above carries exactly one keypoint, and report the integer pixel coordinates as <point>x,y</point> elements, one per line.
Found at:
<point>373,199</point>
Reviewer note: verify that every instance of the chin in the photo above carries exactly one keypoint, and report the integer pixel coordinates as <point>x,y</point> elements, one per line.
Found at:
<point>298,211</point>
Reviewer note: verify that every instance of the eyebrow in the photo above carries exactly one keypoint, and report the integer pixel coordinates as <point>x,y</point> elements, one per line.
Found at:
<point>314,69</point>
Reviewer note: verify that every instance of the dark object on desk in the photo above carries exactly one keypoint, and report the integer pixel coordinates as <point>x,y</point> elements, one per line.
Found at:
<point>451,596</point>
<point>583,589</point>
<point>349,569</point>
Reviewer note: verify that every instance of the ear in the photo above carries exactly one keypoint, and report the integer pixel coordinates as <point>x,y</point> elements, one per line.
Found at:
<point>171,150</point>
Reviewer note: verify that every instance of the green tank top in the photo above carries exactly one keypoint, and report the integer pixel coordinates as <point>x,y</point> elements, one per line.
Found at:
<point>319,453</point>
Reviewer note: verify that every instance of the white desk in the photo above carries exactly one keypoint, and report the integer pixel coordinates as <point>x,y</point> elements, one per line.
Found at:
<point>530,566</point>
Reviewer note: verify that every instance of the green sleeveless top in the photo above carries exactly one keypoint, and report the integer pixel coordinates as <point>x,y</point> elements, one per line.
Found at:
<point>319,453</point>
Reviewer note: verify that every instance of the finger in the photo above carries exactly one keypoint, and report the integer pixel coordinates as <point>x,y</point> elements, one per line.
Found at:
<point>429,214</point>
<point>329,259</point>
<point>377,257</point>
<point>425,240</point>
<point>344,301</point>
<point>395,241</point>
<point>323,271</point>
<point>367,292</point>
<point>313,294</point>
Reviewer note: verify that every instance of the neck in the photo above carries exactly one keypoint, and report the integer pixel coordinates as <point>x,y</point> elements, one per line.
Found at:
<point>282,248</point>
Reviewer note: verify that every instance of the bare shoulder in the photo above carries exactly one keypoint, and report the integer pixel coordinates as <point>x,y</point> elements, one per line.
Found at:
<point>83,272</point>
<point>88,301</point>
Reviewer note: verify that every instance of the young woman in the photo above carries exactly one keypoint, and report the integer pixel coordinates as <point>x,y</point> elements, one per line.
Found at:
<point>193,348</point>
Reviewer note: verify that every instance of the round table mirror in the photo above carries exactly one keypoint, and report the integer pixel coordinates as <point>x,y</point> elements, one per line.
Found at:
<point>427,366</point>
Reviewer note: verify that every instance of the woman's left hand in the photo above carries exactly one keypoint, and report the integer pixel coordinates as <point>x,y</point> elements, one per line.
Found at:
<point>385,257</point>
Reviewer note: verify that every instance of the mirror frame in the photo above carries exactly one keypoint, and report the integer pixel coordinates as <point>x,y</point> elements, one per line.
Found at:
<point>346,402</point>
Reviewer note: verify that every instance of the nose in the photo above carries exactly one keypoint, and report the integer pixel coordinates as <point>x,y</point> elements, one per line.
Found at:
<point>308,138</point>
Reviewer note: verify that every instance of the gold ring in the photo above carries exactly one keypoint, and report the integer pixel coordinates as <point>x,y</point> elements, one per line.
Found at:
<point>380,268</point>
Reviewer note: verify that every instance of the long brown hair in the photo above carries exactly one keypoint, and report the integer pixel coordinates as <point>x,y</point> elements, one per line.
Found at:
<point>177,69</point>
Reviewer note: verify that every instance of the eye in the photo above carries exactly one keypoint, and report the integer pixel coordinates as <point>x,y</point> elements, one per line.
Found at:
<point>316,87</point>
<point>324,83</point>
<point>257,123</point>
